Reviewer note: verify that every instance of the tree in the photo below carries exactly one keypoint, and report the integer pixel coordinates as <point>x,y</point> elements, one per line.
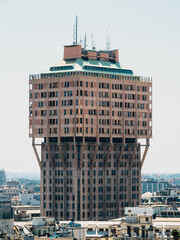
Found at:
<point>175,234</point>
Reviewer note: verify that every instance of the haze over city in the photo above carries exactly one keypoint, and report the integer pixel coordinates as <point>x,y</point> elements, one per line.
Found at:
<point>32,38</point>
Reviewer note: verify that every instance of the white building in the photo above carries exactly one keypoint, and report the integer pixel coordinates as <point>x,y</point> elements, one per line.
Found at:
<point>151,210</point>
<point>29,199</point>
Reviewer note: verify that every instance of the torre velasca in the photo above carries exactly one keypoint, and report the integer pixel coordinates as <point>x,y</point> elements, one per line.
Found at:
<point>91,116</point>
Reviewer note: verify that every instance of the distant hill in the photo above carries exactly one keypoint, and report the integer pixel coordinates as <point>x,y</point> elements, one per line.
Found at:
<point>166,176</point>
<point>15,175</point>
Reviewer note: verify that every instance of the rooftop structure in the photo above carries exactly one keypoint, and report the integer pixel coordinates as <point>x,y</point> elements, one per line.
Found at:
<point>89,113</point>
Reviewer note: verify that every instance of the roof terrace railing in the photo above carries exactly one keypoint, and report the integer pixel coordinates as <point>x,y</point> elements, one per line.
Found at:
<point>145,79</point>
<point>52,75</point>
<point>34,76</point>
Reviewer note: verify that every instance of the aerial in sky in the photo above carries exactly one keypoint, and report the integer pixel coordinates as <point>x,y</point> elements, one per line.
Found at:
<point>33,34</point>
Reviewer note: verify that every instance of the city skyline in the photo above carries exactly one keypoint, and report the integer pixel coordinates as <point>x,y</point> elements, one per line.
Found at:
<point>150,50</point>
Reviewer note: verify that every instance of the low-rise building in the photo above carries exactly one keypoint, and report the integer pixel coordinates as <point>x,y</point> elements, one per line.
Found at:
<point>153,210</point>
<point>41,226</point>
<point>26,212</point>
<point>137,226</point>
<point>29,198</point>
<point>85,230</point>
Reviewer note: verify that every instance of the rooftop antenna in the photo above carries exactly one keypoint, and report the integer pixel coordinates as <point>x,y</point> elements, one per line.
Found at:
<point>75,28</point>
<point>92,42</point>
<point>74,34</point>
<point>85,41</point>
<point>107,41</point>
<point>80,42</point>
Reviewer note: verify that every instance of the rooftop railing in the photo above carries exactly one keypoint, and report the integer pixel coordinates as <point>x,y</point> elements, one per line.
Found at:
<point>52,75</point>
<point>34,76</point>
<point>145,79</point>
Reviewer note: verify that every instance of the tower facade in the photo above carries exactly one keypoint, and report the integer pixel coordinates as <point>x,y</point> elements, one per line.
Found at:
<point>89,114</point>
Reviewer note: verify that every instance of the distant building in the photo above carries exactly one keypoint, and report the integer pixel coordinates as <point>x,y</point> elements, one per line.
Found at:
<point>175,181</point>
<point>2,177</point>
<point>15,200</point>
<point>6,215</point>
<point>29,199</point>
<point>152,185</point>
<point>170,213</point>
<point>13,184</point>
<point>168,196</point>
<point>9,191</point>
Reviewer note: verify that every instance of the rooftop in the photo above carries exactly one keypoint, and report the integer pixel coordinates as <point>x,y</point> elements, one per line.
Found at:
<point>90,62</point>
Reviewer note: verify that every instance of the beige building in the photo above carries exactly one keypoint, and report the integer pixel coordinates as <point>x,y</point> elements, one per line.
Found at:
<point>89,114</point>
<point>137,226</point>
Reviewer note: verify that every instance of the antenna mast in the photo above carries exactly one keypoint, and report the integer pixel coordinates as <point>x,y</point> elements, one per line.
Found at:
<point>75,29</point>
<point>92,42</point>
<point>74,34</point>
<point>85,41</point>
<point>107,41</point>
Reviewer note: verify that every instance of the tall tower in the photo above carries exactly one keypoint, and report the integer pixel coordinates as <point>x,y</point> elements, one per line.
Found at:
<point>2,177</point>
<point>90,115</point>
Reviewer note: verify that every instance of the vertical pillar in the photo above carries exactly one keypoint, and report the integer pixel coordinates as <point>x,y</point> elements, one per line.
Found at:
<point>51,157</point>
<point>119,159</point>
<point>79,159</point>
<point>106,157</point>
<point>92,160</point>
<point>63,157</point>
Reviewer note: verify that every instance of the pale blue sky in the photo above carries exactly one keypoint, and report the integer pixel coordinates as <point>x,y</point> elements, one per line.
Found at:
<point>32,35</point>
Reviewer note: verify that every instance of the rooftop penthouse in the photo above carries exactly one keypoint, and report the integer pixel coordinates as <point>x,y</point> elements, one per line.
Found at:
<point>76,52</point>
<point>80,62</point>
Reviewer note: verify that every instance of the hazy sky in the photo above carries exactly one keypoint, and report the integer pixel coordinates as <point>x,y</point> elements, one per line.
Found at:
<point>32,35</point>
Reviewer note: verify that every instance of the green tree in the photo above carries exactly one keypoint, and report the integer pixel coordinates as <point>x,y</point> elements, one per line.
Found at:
<point>175,234</point>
